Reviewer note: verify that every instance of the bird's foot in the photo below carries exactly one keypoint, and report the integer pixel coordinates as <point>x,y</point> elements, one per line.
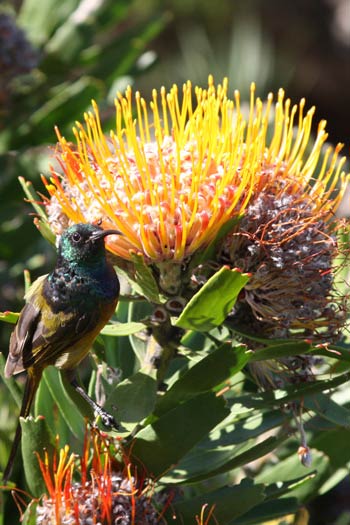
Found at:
<point>107,419</point>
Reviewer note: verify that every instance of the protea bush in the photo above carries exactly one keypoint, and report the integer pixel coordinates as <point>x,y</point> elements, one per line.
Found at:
<point>226,361</point>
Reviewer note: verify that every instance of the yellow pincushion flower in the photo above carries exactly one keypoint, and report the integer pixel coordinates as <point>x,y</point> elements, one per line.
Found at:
<point>172,174</point>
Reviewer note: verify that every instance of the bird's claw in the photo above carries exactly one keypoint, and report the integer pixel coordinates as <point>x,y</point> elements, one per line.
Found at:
<point>107,419</point>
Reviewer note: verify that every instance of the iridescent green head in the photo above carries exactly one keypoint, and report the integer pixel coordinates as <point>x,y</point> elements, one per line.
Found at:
<point>83,244</point>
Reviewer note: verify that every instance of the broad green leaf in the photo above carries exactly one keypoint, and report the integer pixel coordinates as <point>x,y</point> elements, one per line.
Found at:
<point>291,467</point>
<point>9,317</point>
<point>44,405</point>
<point>163,443</point>
<point>122,329</point>
<point>68,408</point>
<point>204,375</point>
<point>11,383</point>
<point>335,444</point>
<point>210,306</point>
<point>313,388</point>
<point>72,36</point>
<point>30,515</point>
<point>334,479</point>
<point>267,511</point>
<point>278,350</point>
<point>325,407</point>
<point>118,353</point>
<point>138,311</point>
<point>201,464</point>
<point>133,399</point>
<point>36,437</point>
<point>144,281</point>
<point>279,488</point>
<point>229,503</point>
<point>239,428</point>
<point>278,397</point>
<point>39,20</point>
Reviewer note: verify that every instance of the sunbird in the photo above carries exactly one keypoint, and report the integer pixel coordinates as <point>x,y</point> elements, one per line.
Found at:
<point>64,312</point>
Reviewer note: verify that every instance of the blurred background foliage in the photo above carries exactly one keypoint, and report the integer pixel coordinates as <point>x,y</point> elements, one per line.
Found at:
<point>55,56</point>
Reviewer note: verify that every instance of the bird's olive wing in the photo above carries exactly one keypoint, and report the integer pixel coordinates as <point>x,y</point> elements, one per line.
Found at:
<point>21,339</point>
<point>61,339</point>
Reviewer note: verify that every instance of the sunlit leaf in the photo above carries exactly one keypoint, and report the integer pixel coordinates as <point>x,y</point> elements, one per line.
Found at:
<point>122,329</point>
<point>9,317</point>
<point>210,306</point>
<point>291,467</point>
<point>202,464</point>
<point>325,407</point>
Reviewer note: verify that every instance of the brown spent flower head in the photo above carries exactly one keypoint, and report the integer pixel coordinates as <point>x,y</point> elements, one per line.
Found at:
<point>289,245</point>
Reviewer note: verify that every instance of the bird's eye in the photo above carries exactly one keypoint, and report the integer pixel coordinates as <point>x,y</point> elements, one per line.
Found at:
<point>76,237</point>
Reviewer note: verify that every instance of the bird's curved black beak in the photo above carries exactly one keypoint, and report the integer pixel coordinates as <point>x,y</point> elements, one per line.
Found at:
<point>102,233</point>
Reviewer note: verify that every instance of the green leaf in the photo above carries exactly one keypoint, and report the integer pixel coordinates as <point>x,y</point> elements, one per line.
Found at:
<point>30,514</point>
<point>144,281</point>
<point>204,375</point>
<point>45,405</point>
<point>267,511</point>
<point>10,382</point>
<point>200,464</point>
<point>291,467</point>
<point>68,408</point>
<point>36,437</point>
<point>163,443</point>
<point>279,488</point>
<point>328,409</point>
<point>278,397</point>
<point>214,301</point>
<point>39,20</point>
<point>335,444</point>
<point>133,399</point>
<point>71,37</point>
<point>9,317</point>
<point>122,329</point>
<point>229,503</point>
<point>139,310</point>
<point>74,97</point>
<point>239,428</point>
<point>279,350</point>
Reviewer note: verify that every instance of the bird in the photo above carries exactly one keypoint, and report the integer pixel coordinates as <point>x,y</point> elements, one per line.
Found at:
<point>64,312</point>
